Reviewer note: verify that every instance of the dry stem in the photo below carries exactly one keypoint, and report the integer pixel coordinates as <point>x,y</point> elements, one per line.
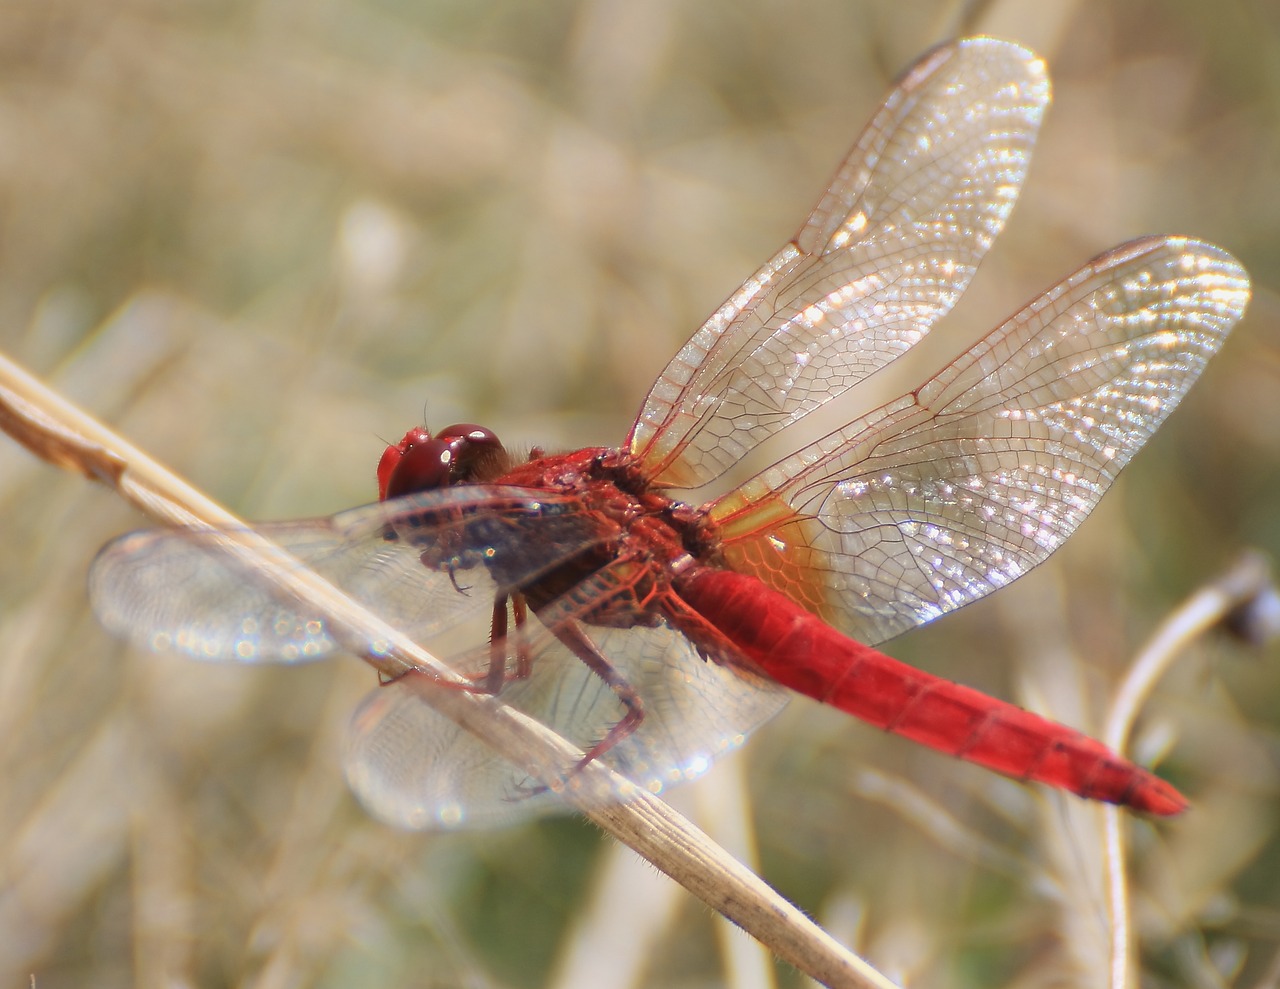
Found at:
<point>1247,579</point>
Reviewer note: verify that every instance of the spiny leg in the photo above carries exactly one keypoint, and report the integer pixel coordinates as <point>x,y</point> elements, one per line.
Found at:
<point>495,676</point>
<point>498,642</point>
<point>571,635</point>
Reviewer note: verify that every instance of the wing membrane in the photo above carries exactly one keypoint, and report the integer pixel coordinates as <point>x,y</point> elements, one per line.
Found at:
<point>190,590</point>
<point>940,497</point>
<point>886,252</point>
<point>427,564</point>
<point>414,768</point>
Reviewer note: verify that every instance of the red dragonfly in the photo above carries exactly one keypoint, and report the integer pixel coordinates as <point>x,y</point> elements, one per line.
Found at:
<point>655,635</point>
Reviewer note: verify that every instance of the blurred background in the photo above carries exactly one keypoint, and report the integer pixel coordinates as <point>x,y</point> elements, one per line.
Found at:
<point>263,237</point>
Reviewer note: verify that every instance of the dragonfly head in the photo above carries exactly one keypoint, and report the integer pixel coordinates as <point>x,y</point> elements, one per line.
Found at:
<point>458,454</point>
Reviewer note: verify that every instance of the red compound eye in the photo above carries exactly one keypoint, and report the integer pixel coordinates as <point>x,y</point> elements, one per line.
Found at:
<point>422,462</point>
<point>424,467</point>
<point>472,446</point>
<point>393,454</point>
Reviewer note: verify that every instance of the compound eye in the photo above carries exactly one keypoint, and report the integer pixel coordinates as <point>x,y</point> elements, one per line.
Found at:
<point>424,466</point>
<point>474,435</point>
<point>392,455</point>
<point>475,450</point>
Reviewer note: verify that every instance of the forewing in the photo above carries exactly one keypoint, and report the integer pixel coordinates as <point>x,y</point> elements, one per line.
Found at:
<point>422,564</point>
<point>958,488</point>
<point>414,768</point>
<point>886,252</point>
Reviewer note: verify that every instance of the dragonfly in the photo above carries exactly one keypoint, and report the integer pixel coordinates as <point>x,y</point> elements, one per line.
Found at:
<point>655,634</point>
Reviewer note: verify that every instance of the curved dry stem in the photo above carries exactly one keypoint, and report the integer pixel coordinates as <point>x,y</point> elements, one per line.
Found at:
<point>66,436</point>
<point>1246,580</point>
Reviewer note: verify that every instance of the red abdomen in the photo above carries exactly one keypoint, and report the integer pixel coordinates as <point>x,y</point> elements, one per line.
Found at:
<point>802,652</point>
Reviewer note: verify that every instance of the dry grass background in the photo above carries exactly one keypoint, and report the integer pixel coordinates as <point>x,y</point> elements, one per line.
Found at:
<point>259,235</point>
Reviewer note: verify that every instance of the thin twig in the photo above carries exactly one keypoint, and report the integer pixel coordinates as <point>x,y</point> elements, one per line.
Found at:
<point>67,437</point>
<point>1247,579</point>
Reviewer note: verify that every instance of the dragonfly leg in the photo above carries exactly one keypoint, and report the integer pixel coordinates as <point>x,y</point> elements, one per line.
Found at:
<point>499,640</point>
<point>570,633</point>
<point>492,680</point>
<point>520,612</point>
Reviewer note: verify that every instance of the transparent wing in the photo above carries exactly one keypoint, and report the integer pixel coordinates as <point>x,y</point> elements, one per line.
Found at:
<point>886,252</point>
<point>424,564</point>
<point>414,768</point>
<point>956,489</point>
<point>433,565</point>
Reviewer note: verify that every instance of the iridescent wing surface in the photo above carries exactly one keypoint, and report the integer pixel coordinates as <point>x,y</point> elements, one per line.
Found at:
<point>886,252</point>
<point>957,488</point>
<point>189,591</point>
<point>414,768</point>
<point>184,590</point>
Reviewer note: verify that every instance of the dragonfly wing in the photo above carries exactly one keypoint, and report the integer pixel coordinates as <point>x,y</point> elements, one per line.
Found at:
<point>886,252</point>
<point>959,487</point>
<point>414,768</point>
<point>423,564</point>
